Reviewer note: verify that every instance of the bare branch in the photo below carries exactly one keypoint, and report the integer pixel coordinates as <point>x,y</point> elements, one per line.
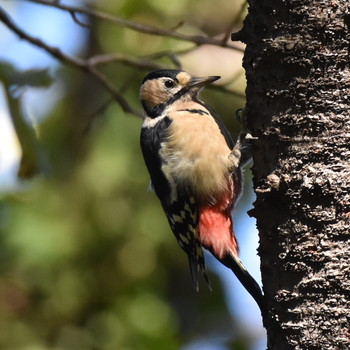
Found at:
<point>178,25</point>
<point>172,55</point>
<point>123,103</point>
<point>69,60</point>
<point>77,20</point>
<point>89,65</point>
<point>143,28</point>
<point>93,116</point>
<point>53,51</point>
<point>115,57</point>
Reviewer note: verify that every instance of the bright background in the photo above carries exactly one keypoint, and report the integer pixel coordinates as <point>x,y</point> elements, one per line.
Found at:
<point>86,256</point>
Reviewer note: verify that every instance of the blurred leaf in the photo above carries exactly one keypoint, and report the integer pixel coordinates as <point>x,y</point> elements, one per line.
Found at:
<point>32,161</point>
<point>88,260</point>
<point>10,75</point>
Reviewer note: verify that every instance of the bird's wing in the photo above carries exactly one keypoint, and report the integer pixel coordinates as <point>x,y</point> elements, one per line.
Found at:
<point>181,209</point>
<point>183,218</point>
<point>151,139</point>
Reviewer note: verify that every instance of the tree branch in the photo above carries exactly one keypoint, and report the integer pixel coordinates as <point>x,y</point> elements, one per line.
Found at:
<point>72,61</point>
<point>89,65</point>
<point>143,28</point>
<point>116,57</point>
<point>78,21</point>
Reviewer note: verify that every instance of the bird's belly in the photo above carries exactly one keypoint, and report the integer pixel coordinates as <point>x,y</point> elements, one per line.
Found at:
<point>196,155</point>
<point>205,172</point>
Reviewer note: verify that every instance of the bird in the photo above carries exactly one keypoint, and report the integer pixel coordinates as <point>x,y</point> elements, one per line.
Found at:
<point>195,170</point>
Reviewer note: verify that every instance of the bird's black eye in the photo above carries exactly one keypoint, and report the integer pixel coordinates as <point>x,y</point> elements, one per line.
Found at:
<point>169,83</point>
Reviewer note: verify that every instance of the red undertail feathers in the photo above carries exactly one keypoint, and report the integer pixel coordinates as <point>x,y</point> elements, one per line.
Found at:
<point>215,226</point>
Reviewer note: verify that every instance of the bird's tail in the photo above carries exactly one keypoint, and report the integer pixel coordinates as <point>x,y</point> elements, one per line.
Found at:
<point>197,264</point>
<point>233,262</point>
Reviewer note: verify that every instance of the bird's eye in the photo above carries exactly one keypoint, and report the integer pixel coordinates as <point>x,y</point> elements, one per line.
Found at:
<point>169,83</point>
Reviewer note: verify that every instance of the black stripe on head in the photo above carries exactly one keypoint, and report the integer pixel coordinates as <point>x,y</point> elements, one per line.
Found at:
<point>195,111</point>
<point>167,73</point>
<point>156,111</point>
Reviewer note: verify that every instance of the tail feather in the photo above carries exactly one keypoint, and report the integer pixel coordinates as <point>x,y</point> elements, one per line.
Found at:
<point>216,234</point>
<point>233,262</point>
<point>197,264</point>
<point>194,268</point>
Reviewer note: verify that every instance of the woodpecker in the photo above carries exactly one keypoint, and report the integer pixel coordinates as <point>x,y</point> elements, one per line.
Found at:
<point>195,170</point>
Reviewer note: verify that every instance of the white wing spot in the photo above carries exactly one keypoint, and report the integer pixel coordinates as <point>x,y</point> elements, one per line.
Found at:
<point>177,218</point>
<point>183,239</point>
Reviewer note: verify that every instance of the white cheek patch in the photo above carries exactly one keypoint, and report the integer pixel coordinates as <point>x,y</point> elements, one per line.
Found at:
<point>176,89</point>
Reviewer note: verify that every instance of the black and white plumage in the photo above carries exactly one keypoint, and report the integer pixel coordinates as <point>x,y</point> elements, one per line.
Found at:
<point>194,168</point>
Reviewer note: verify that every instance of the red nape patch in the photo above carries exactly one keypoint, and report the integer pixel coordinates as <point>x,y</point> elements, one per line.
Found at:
<point>215,230</point>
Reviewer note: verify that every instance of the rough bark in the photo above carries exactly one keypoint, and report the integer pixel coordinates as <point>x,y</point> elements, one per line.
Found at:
<point>298,103</point>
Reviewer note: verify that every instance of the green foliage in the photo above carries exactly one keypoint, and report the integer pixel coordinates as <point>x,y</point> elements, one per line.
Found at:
<point>11,76</point>
<point>87,258</point>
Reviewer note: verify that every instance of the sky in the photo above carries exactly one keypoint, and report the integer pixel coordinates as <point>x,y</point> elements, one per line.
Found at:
<point>55,27</point>
<point>52,27</point>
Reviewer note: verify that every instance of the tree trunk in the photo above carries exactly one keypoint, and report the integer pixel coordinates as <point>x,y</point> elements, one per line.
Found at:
<point>298,103</point>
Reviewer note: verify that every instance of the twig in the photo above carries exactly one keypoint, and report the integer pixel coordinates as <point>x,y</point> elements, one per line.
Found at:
<point>178,25</point>
<point>108,58</point>
<point>69,60</point>
<point>172,55</point>
<point>90,64</point>
<point>53,51</point>
<point>143,28</point>
<point>123,103</point>
<point>93,116</point>
<point>78,21</point>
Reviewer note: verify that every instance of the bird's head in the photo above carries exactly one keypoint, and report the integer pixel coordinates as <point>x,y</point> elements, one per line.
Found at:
<point>161,88</point>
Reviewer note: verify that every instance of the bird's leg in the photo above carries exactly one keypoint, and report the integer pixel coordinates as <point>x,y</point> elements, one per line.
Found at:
<point>242,151</point>
<point>239,156</point>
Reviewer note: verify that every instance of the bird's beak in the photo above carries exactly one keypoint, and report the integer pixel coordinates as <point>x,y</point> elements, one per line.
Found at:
<point>202,81</point>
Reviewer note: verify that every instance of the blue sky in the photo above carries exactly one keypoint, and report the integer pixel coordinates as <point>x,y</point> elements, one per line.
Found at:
<point>55,28</point>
